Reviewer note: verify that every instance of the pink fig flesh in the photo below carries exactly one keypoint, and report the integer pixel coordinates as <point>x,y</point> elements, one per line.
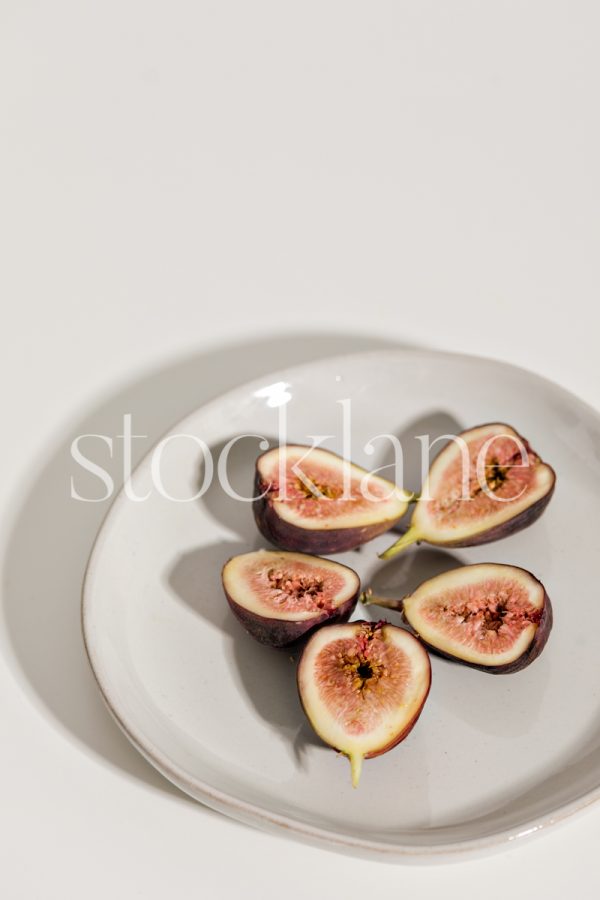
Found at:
<point>312,500</point>
<point>489,616</point>
<point>281,597</point>
<point>483,486</point>
<point>362,687</point>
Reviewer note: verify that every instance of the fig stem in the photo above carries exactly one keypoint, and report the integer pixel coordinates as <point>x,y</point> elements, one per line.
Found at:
<point>369,599</point>
<point>410,537</point>
<point>356,760</point>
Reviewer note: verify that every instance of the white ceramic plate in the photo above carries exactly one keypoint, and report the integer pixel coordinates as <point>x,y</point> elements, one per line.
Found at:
<point>492,759</point>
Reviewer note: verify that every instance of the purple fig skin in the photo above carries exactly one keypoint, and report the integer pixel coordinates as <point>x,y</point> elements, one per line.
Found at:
<point>307,540</point>
<point>540,639</point>
<point>512,526</point>
<point>494,533</point>
<point>281,633</point>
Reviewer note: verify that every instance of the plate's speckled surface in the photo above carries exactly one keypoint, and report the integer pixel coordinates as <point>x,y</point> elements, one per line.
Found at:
<point>492,758</point>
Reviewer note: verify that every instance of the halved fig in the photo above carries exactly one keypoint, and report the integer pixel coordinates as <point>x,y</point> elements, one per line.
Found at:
<point>313,500</point>
<point>280,597</point>
<point>490,616</point>
<point>362,687</point>
<point>484,485</point>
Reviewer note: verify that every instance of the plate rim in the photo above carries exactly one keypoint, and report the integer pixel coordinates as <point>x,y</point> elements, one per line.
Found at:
<point>253,813</point>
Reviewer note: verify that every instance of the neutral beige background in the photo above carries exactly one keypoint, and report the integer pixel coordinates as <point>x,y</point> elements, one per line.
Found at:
<point>194,193</point>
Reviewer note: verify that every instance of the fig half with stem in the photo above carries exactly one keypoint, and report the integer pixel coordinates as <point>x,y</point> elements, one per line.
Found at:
<point>485,484</point>
<point>280,597</point>
<point>362,687</point>
<point>490,616</point>
<point>313,500</point>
